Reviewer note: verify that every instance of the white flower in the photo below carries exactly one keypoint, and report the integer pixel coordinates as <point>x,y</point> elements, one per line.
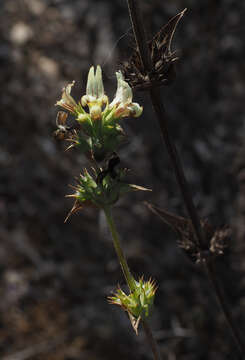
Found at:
<point>95,97</point>
<point>97,102</point>
<point>123,99</point>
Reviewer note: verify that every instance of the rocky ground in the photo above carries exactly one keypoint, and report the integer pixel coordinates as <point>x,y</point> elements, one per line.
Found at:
<point>55,277</point>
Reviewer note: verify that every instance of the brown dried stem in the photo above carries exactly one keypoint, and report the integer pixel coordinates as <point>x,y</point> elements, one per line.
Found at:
<point>139,33</point>
<point>151,340</point>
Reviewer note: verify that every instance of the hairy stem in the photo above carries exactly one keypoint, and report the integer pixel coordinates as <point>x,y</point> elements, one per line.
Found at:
<point>158,106</point>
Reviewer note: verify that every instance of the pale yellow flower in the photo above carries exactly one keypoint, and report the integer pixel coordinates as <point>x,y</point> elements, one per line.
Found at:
<point>97,102</point>
<point>95,97</point>
<point>123,99</point>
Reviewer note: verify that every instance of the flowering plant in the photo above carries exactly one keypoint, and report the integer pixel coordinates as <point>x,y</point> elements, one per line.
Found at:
<point>99,130</point>
<point>98,134</point>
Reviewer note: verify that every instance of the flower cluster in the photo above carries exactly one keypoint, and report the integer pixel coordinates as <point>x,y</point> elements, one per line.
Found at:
<point>99,130</point>
<point>138,303</point>
<point>102,189</point>
<point>98,134</point>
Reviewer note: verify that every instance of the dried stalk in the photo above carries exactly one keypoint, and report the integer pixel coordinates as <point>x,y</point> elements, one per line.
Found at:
<point>151,340</point>
<point>142,46</point>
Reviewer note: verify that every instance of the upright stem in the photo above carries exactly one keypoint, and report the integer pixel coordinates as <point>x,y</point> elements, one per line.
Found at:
<point>116,242</point>
<point>177,166</point>
<point>157,103</point>
<point>139,33</point>
<point>221,299</point>
<point>129,278</point>
<point>151,340</point>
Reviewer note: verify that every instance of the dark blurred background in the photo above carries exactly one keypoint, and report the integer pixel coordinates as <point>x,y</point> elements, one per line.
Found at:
<point>55,277</point>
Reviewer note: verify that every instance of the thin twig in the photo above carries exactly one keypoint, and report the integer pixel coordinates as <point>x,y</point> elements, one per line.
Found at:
<point>176,163</point>
<point>157,103</point>
<point>221,298</point>
<point>139,34</point>
<point>151,340</point>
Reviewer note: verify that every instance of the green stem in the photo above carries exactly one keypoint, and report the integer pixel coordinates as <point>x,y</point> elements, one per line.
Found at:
<point>129,278</point>
<point>116,242</point>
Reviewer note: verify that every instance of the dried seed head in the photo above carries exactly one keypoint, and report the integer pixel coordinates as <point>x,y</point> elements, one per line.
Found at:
<point>219,241</point>
<point>216,239</point>
<point>162,58</point>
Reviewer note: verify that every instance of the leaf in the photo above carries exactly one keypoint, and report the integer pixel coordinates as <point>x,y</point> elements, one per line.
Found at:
<point>176,222</point>
<point>77,206</point>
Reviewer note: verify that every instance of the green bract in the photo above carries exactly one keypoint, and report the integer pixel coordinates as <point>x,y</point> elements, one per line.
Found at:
<point>103,190</point>
<point>138,303</point>
<point>100,132</point>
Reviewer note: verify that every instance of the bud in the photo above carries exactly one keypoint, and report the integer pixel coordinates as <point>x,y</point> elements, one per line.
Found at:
<point>162,58</point>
